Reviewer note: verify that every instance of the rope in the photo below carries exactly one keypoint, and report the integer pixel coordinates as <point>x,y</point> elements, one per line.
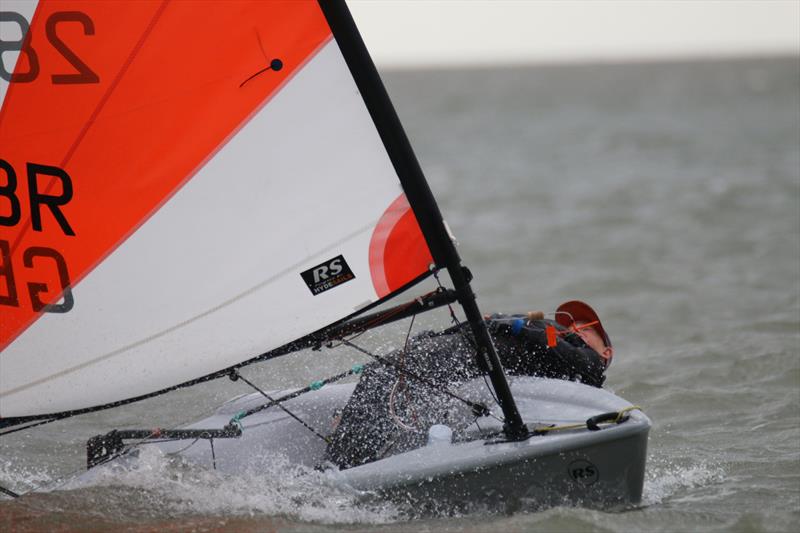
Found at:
<point>213,455</point>
<point>182,449</point>
<point>384,318</point>
<point>617,420</point>
<point>281,406</point>
<point>396,419</point>
<point>29,426</point>
<point>400,385</point>
<point>625,411</point>
<point>477,408</point>
<point>453,316</point>
<point>315,385</point>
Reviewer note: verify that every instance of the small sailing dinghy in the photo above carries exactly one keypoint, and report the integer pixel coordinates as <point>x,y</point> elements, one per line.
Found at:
<point>209,185</point>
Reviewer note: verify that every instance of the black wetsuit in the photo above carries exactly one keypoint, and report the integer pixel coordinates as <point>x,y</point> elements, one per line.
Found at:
<point>367,430</point>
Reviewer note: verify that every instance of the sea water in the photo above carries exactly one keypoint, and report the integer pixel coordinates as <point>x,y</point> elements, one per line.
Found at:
<point>666,195</point>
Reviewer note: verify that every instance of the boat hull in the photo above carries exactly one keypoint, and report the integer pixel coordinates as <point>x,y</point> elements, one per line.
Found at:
<point>478,471</point>
<point>598,475</point>
<point>602,469</point>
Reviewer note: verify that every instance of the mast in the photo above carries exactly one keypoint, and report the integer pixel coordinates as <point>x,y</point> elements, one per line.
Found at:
<point>420,198</point>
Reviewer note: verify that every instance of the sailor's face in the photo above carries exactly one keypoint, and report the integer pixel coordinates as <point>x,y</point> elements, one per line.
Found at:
<point>591,337</point>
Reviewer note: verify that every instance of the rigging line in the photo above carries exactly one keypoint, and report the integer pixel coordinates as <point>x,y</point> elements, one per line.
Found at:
<point>399,309</point>
<point>400,385</point>
<point>236,375</point>
<point>395,418</point>
<point>408,333</point>
<point>401,378</point>
<point>477,408</point>
<point>182,449</point>
<point>468,338</point>
<point>316,385</point>
<point>383,318</point>
<point>489,388</point>
<point>449,306</point>
<point>41,423</point>
<point>213,455</point>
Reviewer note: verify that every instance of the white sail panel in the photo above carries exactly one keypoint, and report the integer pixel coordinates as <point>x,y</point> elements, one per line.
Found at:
<point>213,278</point>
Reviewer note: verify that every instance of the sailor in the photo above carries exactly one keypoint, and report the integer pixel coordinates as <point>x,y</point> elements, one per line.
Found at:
<point>399,398</point>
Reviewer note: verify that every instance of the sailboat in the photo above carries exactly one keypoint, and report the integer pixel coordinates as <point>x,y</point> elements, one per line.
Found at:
<point>190,188</point>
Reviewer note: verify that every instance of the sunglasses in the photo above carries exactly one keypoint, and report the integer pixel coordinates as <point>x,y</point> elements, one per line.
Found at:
<point>576,328</point>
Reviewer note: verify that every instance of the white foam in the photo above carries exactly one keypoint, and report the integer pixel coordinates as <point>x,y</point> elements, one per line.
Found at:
<point>21,479</point>
<point>272,486</point>
<point>665,479</point>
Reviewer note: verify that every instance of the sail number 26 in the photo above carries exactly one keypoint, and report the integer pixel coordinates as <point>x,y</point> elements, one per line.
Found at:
<point>84,74</point>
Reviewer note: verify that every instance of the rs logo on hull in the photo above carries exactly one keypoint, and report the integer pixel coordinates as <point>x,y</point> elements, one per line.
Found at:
<point>327,275</point>
<point>583,472</point>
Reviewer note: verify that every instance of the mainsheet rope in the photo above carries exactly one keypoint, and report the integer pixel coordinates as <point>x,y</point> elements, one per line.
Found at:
<point>477,408</point>
<point>400,385</point>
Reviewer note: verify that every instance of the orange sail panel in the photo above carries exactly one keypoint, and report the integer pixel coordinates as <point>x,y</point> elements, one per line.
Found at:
<point>397,250</point>
<point>85,164</point>
<point>185,185</point>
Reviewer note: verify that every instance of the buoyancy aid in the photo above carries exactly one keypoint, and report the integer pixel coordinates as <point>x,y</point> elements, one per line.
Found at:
<point>448,357</point>
<point>525,347</point>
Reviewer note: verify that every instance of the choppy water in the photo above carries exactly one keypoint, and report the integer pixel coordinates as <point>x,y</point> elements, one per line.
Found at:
<point>667,195</point>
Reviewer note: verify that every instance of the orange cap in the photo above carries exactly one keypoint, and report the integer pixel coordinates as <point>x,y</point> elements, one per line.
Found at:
<point>577,311</point>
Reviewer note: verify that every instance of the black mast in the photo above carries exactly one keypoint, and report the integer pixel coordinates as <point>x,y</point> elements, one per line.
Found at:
<point>420,197</point>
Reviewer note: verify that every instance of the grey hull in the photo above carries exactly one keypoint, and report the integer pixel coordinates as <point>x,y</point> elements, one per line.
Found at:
<point>602,475</point>
<point>602,468</point>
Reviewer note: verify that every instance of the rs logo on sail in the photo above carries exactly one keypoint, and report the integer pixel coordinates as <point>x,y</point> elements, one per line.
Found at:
<point>327,275</point>
<point>11,215</point>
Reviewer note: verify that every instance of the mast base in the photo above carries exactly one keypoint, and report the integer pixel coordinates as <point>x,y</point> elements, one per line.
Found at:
<point>515,432</point>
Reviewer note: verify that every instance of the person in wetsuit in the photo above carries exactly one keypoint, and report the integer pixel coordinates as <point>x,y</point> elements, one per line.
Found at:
<point>574,346</point>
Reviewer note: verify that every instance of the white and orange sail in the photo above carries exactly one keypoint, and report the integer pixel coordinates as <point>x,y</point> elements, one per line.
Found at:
<point>184,186</point>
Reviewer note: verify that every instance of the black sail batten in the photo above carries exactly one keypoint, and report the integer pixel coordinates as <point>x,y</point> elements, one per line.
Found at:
<point>330,332</point>
<point>419,196</point>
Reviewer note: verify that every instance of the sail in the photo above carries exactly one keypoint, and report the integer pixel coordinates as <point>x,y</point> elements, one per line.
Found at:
<point>186,185</point>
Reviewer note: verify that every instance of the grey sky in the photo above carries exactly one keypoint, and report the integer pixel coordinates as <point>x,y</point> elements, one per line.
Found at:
<point>441,32</point>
